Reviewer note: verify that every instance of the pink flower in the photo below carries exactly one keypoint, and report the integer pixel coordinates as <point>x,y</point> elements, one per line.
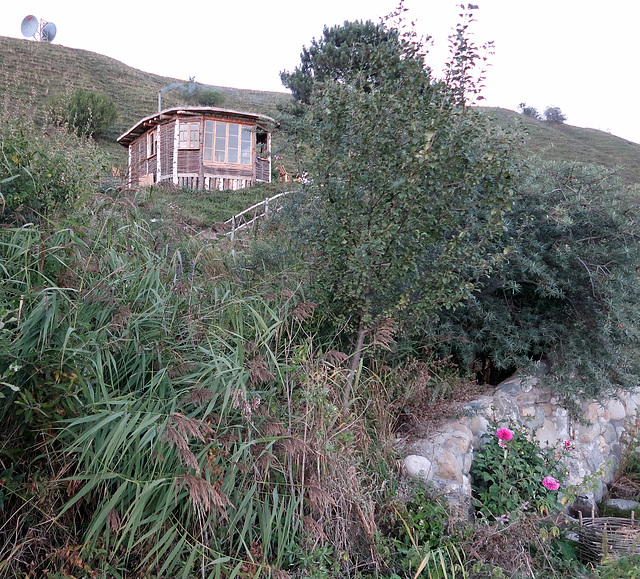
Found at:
<point>568,445</point>
<point>550,483</point>
<point>504,434</point>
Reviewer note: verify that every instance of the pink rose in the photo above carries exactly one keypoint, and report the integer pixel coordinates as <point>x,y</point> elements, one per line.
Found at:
<point>550,483</point>
<point>505,434</point>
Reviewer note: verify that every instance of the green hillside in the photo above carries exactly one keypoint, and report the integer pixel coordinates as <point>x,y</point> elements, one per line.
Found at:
<point>562,141</point>
<point>38,71</point>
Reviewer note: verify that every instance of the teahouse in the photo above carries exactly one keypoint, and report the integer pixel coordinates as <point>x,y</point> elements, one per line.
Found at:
<point>200,147</point>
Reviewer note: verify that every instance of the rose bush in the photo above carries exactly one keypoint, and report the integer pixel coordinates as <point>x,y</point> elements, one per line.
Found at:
<point>511,472</point>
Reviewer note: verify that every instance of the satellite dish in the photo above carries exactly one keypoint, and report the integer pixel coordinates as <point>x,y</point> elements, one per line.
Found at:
<point>48,32</point>
<point>30,26</point>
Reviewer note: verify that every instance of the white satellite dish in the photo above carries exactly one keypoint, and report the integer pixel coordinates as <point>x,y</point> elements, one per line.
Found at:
<point>48,32</point>
<point>29,25</point>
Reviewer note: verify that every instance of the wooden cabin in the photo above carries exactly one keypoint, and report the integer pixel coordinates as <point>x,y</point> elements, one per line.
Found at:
<point>200,147</point>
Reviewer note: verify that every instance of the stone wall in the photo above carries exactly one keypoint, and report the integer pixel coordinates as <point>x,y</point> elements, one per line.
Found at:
<point>443,456</point>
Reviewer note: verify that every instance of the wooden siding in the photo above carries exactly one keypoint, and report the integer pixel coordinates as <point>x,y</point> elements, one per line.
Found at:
<point>185,167</point>
<point>165,147</point>
<point>189,161</point>
<point>262,170</point>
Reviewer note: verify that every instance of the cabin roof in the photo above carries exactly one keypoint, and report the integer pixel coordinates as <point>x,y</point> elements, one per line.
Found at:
<point>143,125</point>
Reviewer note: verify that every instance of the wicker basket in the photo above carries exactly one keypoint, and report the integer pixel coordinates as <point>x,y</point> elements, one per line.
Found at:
<point>600,536</point>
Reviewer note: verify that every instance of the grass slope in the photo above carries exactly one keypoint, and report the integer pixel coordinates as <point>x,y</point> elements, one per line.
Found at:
<point>39,71</point>
<point>561,141</point>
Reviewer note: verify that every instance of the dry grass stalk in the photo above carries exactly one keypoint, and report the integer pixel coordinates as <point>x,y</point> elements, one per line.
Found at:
<point>199,396</point>
<point>113,520</point>
<point>383,334</point>
<point>335,358</point>
<point>304,310</point>
<point>203,494</point>
<point>177,434</point>
<point>258,371</point>
<point>247,407</point>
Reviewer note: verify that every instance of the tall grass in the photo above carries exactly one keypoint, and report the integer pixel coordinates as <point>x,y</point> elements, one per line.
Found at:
<point>188,428</point>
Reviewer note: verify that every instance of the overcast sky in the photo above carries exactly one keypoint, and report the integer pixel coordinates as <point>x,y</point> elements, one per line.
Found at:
<point>580,55</point>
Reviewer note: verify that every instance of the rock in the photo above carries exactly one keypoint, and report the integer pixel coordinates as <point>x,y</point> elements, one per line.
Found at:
<point>443,454</point>
<point>479,425</point>
<point>591,413</point>
<point>448,467</point>
<point>621,506</point>
<point>583,505</point>
<point>548,434</point>
<point>616,409</point>
<point>418,467</point>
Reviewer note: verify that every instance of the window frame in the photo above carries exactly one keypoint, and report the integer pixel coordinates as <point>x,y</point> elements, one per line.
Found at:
<point>212,139</point>
<point>152,143</point>
<point>188,142</point>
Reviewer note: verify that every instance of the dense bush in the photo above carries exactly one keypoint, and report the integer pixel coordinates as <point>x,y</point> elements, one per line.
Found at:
<point>554,115</point>
<point>44,166</point>
<point>89,112</point>
<point>564,289</point>
<point>529,111</point>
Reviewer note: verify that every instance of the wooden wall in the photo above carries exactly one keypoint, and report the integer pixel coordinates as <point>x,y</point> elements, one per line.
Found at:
<point>191,172</point>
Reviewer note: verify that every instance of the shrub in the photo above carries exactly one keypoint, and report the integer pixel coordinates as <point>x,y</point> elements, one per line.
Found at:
<point>512,473</point>
<point>202,96</point>
<point>563,289</point>
<point>554,115</point>
<point>44,167</point>
<point>90,113</point>
<point>529,111</point>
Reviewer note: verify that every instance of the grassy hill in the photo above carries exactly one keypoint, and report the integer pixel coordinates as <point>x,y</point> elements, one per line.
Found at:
<point>561,141</point>
<point>39,71</point>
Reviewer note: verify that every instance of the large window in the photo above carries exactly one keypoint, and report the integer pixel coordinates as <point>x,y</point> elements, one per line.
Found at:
<point>227,143</point>
<point>189,136</point>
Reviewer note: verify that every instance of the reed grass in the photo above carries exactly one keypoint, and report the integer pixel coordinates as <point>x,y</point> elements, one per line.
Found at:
<point>193,427</point>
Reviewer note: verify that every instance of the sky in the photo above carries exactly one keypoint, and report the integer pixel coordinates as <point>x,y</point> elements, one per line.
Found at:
<point>579,55</point>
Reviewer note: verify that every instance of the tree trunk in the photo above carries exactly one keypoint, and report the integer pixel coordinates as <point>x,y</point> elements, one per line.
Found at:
<point>355,362</point>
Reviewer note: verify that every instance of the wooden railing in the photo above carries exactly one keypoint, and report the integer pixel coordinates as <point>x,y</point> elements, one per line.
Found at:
<point>250,216</point>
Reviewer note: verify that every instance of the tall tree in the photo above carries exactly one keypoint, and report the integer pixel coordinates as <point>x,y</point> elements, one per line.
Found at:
<point>554,115</point>
<point>407,188</point>
<point>345,53</point>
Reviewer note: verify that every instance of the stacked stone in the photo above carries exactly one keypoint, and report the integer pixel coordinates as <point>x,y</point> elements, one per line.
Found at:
<point>444,456</point>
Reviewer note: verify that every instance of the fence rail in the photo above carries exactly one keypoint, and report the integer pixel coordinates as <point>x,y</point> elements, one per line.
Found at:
<point>250,216</point>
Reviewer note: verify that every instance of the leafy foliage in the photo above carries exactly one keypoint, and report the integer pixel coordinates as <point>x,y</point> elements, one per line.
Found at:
<point>422,539</point>
<point>566,289</point>
<point>183,413</point>
<point>197,94</point>
<point>407,188</point>
<point>90,113</point>
<point>43,167</point>
<point>346,53</point>
<point>554,115</point>
<point>160,428</point>
<point>529,111</point>
<point>508,474</point>
<point>619,567</point>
